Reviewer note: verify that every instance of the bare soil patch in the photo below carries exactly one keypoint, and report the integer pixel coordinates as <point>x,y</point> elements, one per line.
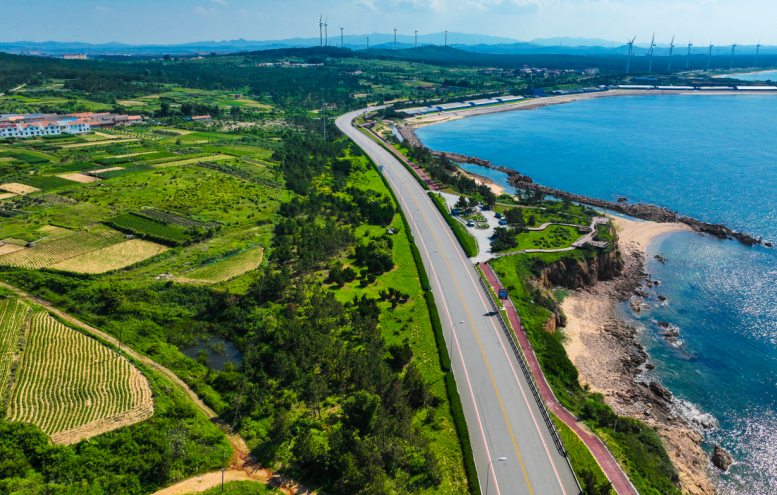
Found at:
<point>9,248</point>
<point>109,169</point>
<point>76,177</point>
<point>17,188</point>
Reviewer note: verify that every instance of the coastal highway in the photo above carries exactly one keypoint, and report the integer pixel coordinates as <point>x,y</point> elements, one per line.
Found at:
<point>503,418</point>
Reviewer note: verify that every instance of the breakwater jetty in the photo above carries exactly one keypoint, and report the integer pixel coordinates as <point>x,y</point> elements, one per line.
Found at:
<point>643,211</point>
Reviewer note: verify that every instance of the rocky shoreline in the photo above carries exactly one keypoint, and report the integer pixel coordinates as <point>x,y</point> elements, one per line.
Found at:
<point>610,360</point>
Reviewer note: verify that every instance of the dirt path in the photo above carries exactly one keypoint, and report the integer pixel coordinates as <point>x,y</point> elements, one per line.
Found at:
<point>145,360</point>
<point>243,466</point>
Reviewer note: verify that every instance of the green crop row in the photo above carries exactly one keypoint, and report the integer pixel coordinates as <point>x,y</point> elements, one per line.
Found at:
<point>48,182</point>
<point>149,229</point>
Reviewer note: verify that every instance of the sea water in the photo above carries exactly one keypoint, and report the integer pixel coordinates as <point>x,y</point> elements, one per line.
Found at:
<point>770,75</point>
<point>710,157</point>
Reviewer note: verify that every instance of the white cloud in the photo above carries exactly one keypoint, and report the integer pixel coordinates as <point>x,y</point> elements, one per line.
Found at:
<point>220,2</point>
<point>205,12</point>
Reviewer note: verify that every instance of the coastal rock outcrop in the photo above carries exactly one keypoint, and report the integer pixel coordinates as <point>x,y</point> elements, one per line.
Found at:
<point>721,459</point>
<point>574,274</point>
<point>660,391</point>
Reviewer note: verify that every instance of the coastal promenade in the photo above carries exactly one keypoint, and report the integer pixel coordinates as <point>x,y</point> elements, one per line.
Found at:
<point>503,418</point>
<point>608,464</point>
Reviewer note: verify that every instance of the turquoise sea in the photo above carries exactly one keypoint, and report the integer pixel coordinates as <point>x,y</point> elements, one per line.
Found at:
<point>710,157</point>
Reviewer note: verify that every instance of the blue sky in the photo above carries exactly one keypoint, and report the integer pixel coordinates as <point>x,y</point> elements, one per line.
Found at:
<point>181,21</point>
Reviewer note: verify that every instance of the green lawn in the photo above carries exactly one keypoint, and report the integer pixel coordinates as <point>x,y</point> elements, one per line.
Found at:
<point>553,237</point>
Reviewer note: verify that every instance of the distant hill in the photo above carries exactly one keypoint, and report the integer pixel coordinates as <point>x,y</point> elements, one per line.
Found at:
<point>464,41</point>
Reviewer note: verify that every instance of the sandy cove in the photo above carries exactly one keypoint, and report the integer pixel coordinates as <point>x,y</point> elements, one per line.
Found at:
<point>608,358</point>
<point>479,179</point>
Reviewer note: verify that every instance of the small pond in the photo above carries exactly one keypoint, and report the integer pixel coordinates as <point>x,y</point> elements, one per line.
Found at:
<point>220,352</point>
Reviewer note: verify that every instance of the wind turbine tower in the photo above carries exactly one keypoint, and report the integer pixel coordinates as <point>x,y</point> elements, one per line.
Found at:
<point>731,63</point>
<point>671,47</point>
<point>368,42</point>
<point>709,55</point>
<point>342,43</point>
<point>757,47</point>
<point>395,37</point>
<point>628,59</point>
<point>321,30</point>
<point>688,57</point>
<point>446,38</point>
<point>416,41</point>
<point>652,46</point>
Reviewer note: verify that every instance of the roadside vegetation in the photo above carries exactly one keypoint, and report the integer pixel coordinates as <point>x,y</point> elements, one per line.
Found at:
<point>252,228</point>
<point>636,446</point>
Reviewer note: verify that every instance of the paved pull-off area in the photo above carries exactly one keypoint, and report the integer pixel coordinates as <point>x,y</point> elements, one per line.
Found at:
<point>503,418</point>
<point>608,464</point>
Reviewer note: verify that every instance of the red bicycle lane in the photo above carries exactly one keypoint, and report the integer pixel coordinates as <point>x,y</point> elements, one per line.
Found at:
<point>602,455</point>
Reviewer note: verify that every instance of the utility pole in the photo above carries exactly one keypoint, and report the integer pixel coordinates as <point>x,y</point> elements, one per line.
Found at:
<point>222,472</point>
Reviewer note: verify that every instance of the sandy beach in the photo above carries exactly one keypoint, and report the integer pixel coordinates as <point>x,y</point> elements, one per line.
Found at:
<point>485,181</point>
<point>604,350</point>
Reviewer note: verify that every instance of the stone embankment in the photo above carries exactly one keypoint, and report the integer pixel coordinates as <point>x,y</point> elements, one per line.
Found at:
<point>644,211</point>
<point>408,134</point>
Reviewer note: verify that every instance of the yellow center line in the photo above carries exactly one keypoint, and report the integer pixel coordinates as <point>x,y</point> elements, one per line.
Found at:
<point>466,308</point>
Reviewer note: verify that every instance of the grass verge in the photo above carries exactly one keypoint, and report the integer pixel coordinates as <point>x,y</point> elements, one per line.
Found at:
<point>467,242</point>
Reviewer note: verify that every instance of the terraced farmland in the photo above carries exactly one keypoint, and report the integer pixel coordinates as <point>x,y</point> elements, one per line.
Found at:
<point>73,387</point>
<point>49,252</point>
<point>12,313</point>
<point>225,269</point>
<point>111,257</point>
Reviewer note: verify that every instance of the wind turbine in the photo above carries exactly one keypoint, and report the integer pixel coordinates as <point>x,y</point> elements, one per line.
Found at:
<point>731,63</point>
<point>757,47</point>
<point>368,42</point>
<point>709,55</point>
<point>671,46</point>
<point>321,30</point>
<point>446,38</point>
<point>688,57</point>
<point>395,37</point>
<point>652,46</point>
<point>326,33</point>
<point>628,60</point>
<point>416,42</point>
<point>342,43</point>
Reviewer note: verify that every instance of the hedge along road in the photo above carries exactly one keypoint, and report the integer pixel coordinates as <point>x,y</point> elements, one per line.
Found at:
<point>503,418</point>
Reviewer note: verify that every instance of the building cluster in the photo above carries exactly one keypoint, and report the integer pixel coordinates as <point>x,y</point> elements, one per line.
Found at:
<point>38,124</point>
<point>461,105</point>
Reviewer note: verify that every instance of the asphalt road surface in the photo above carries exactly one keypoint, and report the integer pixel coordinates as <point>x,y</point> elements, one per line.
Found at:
<point>502,416</point>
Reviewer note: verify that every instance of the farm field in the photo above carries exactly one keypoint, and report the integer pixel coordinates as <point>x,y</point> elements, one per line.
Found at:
<point>111,257</point>
<point>174,219</point>
<point>76,177</point>
<point>190,161</point>
<point>49,252</point>
<point>17,188</point>
<point>6,196</point>
<point>224,270</point>
<point>141,225</point>
<point>9,248</point>
<point>73,387</point>
<point>46,183</point>
<point>12,314</point>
